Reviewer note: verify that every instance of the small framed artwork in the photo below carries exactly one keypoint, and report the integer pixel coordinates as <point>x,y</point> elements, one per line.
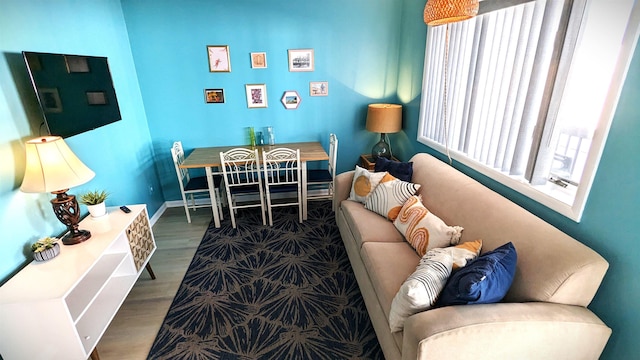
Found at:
<point>318,88</point>
<point>214,96</point>
<point>291,100</point>
<point>50,100</point>
<point>219,60</point>
<point>301,60</point>
<point>256,95</point>
<point>258,60</point>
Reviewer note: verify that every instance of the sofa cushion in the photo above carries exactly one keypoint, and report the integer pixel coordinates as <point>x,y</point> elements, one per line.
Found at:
<point>389,196</point>
<point>424,230</point>
<point>484,280</point>
<point>388,266</point>
<point>364,182</point>
<point>367,226</point>
<point>401,170</point>
<point>421,289</point>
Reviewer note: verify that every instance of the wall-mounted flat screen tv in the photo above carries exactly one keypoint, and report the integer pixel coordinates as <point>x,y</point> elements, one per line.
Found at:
<point>75,92</point>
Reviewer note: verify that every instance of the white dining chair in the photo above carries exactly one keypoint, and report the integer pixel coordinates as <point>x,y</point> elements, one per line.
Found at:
<point>193,188</point>
<point>320,181</point>
<point>282,179</point>
<point>243,181</point>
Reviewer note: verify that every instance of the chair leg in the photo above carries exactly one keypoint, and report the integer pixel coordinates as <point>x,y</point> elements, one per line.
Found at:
<point>186,210</point>
<point>233,218</point>
<point>269,210</point>
<point>219,205</point>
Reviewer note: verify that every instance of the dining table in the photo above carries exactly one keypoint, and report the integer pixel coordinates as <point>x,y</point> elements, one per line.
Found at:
<point>209,159</point>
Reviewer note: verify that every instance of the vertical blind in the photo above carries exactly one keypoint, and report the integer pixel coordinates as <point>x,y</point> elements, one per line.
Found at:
<point>499,65</point>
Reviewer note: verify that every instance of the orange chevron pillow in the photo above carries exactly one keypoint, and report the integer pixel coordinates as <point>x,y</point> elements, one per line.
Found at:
<point>424,230</point>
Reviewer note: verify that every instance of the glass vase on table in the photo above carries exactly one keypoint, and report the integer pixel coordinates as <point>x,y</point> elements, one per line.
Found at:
<point>252,137</point>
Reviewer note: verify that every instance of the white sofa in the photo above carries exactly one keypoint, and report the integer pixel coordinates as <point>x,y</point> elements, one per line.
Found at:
<point>543,316</point>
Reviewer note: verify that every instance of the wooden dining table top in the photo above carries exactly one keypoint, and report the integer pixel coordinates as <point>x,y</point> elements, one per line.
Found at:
<point>210,156</point>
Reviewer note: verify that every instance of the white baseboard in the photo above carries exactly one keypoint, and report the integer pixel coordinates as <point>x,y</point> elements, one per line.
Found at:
<point>158,214</point>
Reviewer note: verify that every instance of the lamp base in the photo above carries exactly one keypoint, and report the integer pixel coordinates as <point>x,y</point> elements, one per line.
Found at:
<point>67,211</point>
<point>381,148</point>
<point>77,238</point>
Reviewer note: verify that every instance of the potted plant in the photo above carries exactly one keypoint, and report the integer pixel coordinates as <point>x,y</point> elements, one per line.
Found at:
<point>95,202</point>
<point>45,249</point>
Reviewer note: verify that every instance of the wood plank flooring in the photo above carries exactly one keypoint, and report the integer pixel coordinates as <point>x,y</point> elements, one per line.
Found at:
<point>135,326</point>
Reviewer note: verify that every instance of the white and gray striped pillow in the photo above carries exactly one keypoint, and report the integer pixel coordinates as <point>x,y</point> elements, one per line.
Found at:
<point>422,288</point>
<point>389,196</point>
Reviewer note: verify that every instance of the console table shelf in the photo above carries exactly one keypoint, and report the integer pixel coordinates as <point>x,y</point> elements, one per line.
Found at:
<point>60,308</point>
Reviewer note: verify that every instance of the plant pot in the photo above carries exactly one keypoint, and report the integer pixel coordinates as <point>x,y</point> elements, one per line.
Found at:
<point>47,254</point>
<point>97,210</point>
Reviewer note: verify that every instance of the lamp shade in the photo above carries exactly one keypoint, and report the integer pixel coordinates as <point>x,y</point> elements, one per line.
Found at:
<point>440,12</point>
<point>52,166</point>
<point>384,118</point>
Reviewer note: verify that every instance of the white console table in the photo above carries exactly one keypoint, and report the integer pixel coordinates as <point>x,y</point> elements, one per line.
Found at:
<point>60,308</point>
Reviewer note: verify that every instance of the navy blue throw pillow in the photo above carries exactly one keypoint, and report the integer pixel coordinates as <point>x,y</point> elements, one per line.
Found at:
<point>400,170</point>
<point>484,280</point>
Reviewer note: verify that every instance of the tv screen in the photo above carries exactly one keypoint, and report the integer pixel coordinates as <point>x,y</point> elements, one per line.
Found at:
<point>75,92</point>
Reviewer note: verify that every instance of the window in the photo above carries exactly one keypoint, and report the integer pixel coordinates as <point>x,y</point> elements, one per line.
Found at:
<point>525,93</point>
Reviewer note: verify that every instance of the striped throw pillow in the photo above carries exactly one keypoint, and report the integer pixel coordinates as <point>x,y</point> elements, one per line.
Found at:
<point>389,196</point>
<point>422,288</point>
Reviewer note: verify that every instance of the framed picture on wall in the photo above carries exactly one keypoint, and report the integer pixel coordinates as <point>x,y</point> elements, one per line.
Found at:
<point>219,60</point>
<point>256,95</point>
<point>258,60</point>
<point>318,88</point>
<point>291,100</point>
<point>301,60</point>
<point>214,96</point>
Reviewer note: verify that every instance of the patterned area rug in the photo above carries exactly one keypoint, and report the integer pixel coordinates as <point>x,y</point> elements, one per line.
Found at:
<point>260,292</point>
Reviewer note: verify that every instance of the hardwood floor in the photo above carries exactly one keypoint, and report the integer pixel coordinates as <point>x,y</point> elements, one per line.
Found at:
<point>134,328</point>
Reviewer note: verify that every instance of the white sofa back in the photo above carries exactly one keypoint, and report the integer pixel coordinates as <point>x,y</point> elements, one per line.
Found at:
<point>552,266</point>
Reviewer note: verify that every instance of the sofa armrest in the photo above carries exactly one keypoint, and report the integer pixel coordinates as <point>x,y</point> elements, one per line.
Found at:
<point>342,188</point>
<point>532,330</point>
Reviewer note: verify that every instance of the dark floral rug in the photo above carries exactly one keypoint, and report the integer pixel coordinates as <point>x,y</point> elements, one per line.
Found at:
<point>260,292</point>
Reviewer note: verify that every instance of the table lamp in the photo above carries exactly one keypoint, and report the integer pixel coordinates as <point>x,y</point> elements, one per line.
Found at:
<point>53,167</point>
<point>384,119</point>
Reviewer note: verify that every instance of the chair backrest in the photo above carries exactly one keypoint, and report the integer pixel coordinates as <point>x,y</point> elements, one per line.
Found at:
<point>177,153</point>
<point>333,154</point>
<point>240,167</point>
<point>281,166</point>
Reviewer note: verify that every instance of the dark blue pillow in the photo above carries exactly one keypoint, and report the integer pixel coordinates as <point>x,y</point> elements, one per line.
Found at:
<point>400,170</point>
<point>484,280</point>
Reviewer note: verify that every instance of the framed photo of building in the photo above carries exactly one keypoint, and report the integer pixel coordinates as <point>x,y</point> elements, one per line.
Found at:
<point>214,96</point>
<point>291,100</point>
<point>301,60</point>
<point>219,60</point>
<point>258,60</point>
<point>256,95</point>
<point>318,88</point>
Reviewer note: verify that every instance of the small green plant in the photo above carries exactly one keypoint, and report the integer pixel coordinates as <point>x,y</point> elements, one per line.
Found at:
<point>43,244</point>
<point>93,197</point>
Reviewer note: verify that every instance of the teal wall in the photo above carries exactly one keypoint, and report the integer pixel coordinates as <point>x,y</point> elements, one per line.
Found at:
<point>609,221</point>
<point>356,51</point>
<point>157,53</point>
<point>121,154</point>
